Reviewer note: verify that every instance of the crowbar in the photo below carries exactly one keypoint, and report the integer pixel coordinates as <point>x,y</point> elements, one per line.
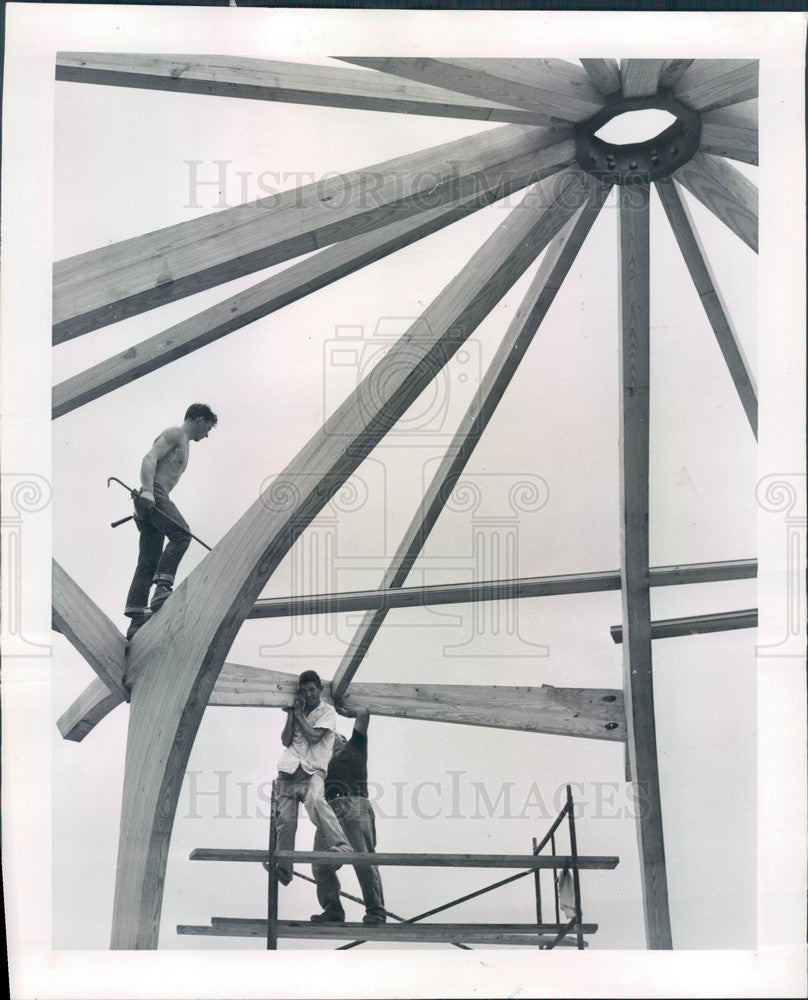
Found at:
<point>134,494</point>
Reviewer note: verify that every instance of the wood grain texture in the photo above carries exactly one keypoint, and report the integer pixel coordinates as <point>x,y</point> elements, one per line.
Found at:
<point>530,862</point>
<point>88,630</point>
<point>671,72</point>
<point>270,80</point>
<point>725,191</point>
<point>634,463</point>
<point>732,132</point>
<point>112,282</point>
<point>91,706</point>
<point>604,74</point>
<point>266,297</point>
<point>640,76</point>
<point>703,278</point>
<point>175,658</point>
<point>554,87</point>
<point>669,628</point>
<point>517,339</point>
<point>715,83</point>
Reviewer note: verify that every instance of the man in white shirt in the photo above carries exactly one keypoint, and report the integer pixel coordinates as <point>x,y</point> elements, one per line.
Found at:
<point>309,739</point>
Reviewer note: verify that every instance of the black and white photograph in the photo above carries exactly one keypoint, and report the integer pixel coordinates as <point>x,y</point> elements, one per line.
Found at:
<point>403,503</point>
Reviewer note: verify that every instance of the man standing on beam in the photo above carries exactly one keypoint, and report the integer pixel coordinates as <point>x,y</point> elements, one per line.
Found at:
<point>346,790</point>
<point>157,518</point>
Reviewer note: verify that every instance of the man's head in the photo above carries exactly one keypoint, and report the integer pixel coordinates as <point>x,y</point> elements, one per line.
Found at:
<point>310,686</point>
<point>199,420</point>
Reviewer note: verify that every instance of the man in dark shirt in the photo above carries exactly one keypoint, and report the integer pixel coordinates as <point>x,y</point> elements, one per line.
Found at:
<point>346,791</point>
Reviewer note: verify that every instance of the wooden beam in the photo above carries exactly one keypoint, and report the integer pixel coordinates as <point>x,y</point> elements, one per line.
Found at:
<point>91,706</point>
<point>553,87</point>
<point>604,74</point>
<point>634,464</point>
<point>530,862</point>
<point>590,713</point>
<point>517,339</point>
<point>516,934</point>
<point>89,631</point>
<point>270,80</point>
<point>731,132</point>
<point>640,76</point>
<point>130,277</point>
<point>715,83</point>
<point>725,191</point>
<point>697,264</point>
<point>266,297</point>
<point>671,72</point>
<point>669,628</point>
<point>175,658</point>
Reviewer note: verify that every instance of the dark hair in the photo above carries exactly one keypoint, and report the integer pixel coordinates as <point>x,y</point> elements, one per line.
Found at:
<point>201,410</point>
<point>310,675</point>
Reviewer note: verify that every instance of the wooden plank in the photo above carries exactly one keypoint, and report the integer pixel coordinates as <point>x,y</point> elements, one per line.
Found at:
<point>715,83</point>
<point>91,706</point>
<point>267,296</point>
<point>270,80</point>
<point>592,713</point>
<point>671,72</point>
<point>697,264</point>
<point>553,87</point>
<point>89,631</point>
<point>731,132</point>
<point>725,191</point>
<point>175,658</point>
<point>634,464</point>
<point>530,862</point>
<point>126,278</point>
<point>604,74</point>
<point>515,343</point>
<point>668,628</point>
<point>640,76</point>
<point>518,934</point>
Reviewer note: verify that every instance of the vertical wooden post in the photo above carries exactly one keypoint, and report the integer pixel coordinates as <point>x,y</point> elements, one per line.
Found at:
<point>576,884</point>
<point>272,890</point>
<point>555,881</point>
<point>537,882</point>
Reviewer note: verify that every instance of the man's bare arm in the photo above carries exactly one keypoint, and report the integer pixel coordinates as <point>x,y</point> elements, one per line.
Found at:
<point>289,728</point>
<point>165,443</point>
<point>362,720</point>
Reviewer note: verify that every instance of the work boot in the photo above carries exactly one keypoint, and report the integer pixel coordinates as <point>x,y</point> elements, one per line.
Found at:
<point>327,918</point>
<point>374,918</point>
<point>161,594</point>
<point>136,622</point>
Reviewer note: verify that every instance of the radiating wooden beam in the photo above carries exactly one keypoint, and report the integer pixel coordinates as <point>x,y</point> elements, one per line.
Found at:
<point>553,87</point>
<point>175,658</point>
<point>634,464</point>
<point>270,80</point>
<point>91,706</point>
<point>731,132</point>
<point>89,631</point>
<point>591,713</point>
<point>669,628</point>
<point>530,862</point>
<point>697,264</point>
<point>604,74</point>
<point>518,337</point>
<point>267,296</point>
<point>640,76</point>
<point>725,191</point>
<point>126,278</point>
<point>715,83</point>
<point>671,71</point>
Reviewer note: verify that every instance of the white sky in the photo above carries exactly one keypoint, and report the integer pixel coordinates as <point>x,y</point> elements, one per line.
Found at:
<point>120,169</point>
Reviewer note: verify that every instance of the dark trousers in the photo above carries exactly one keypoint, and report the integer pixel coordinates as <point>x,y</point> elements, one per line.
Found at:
<point>154,565</point>
<point>356,818</point>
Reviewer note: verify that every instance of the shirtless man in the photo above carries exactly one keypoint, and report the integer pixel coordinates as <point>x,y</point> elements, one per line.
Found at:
<point>159,474</point>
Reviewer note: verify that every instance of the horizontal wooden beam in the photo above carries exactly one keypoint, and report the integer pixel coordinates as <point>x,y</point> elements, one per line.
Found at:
<point>640,76</point>
<point>731,132</point>
<point>715,83</point>
<point>669,628</point>
<point>239,310</point>
<point>604,74</point>
<point>270,80</point>
<point>89,631</point>
<point>699,267</point>
<point>725,191</point>
<point>130,277</point>
<point>532,862</point>
<point>553,87</point>
<point>516,934</point>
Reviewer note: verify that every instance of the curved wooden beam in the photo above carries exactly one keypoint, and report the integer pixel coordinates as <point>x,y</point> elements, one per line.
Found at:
<point>697,264</point>
<point>715,83</point>
<point>671,71</point>
<point>175,658</point>
<point>94,703</point>
<point>725,191</point>
<point>130,277</point>
<point>604,74</point>
<point>269,80</point>
<point>732,132</point>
